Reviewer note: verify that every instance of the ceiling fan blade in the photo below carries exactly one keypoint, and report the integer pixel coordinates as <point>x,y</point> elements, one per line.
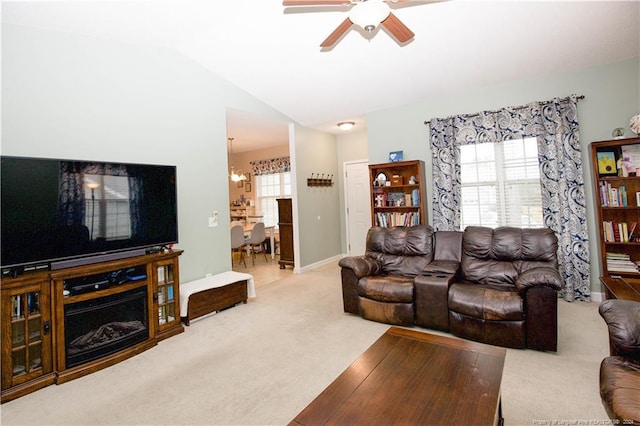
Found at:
<point>398,30</point>
<point>337,33</point>
<point>315,2</point>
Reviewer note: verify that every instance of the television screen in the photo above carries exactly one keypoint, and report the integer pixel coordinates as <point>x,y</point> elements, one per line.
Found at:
<point>61,209</point>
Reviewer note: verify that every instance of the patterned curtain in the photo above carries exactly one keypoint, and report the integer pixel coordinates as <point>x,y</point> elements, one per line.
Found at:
<point>268,167</point>
<point>71,202</point>
<point>554,124</point>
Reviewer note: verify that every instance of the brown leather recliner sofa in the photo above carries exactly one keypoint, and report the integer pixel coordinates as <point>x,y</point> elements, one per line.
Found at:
<point>497,286</point>
<point>620,372</point>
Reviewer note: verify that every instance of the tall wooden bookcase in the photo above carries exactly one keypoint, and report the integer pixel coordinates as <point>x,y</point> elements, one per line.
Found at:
<point>616,171</point>
<point>398,193</point>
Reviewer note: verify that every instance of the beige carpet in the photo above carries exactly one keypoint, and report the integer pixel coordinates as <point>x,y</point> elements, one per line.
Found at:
<point>263,362</point>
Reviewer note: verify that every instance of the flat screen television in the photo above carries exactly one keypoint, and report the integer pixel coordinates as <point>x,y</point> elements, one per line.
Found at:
<point>55,211</point>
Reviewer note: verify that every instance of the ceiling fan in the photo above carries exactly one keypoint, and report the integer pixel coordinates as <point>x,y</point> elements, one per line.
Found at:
<point>367,14</point>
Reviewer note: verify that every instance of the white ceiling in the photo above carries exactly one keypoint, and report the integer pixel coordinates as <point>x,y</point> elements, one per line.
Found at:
<point>273,52</point>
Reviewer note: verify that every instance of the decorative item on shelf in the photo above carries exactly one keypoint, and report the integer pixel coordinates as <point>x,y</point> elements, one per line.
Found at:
<point>395,156</point>
<point>607,163</point>
<point>618,133</point>
<point>413,180</point>
<point>320,180</point>
<point>397,180</point>
<point>396,199</point>
<point>631,159</point>
<point>381,179</point>
<point>634,124</point>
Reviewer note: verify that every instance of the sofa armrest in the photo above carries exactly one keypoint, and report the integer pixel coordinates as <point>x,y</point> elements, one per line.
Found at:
<point>442,266</point>
<point>362,266</point>
<point>623,322</point>
<point>543,276</point>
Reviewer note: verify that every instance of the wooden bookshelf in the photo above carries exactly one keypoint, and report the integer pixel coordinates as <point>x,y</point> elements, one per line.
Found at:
<point>398,193</point>
<point>616,170</point>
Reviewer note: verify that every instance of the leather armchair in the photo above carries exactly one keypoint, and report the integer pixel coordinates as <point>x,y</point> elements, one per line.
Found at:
<point>620,372</point>
<point>507,290</point>
<point>379,285</point>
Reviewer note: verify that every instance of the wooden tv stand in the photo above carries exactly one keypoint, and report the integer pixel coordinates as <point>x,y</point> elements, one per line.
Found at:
<point>33,318</point>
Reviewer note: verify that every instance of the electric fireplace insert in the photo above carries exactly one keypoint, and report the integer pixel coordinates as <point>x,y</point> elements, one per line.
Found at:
<point>105,325</point>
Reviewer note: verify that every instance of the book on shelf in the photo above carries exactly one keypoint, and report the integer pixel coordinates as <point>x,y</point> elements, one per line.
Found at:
<point>397,219</point>
<point>616,232</point>
<point>632,229</point>
<point>615,197</point>
<point>620,262</point>
<point>608,195</point>
<point>415,198</point>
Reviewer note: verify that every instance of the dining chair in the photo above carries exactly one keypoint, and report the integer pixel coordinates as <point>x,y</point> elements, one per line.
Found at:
<point>257,239</point>
<point>235,223</point>
<point>237,243</point>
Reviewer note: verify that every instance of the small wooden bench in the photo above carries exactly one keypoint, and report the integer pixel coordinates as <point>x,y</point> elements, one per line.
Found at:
<point>214,293</point>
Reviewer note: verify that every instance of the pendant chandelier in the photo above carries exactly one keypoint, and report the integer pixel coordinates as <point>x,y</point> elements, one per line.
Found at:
<point>233,175</point>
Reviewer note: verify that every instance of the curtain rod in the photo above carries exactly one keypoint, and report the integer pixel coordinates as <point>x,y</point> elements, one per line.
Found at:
<point>580,97</point>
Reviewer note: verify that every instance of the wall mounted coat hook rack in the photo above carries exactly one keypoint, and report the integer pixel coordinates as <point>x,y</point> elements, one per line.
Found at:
<point>320,180</point>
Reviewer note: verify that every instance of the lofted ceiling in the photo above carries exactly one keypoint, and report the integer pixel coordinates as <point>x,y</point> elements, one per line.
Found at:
<point>273,52</point>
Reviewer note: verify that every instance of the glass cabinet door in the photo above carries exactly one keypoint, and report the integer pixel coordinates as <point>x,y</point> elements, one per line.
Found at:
<point>168,313</point>
<point>27,328</point>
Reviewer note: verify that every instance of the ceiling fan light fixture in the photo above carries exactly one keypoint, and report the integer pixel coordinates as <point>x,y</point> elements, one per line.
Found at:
<point>346,125</point>
<point>369,13</point>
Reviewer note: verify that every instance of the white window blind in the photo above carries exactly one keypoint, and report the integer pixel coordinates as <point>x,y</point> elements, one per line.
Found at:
<point>269,187</point>
<point>501,184</point>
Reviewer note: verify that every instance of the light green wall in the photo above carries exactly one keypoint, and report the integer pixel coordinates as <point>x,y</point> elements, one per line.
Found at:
<point>318,212</point>
<point>65,96</point>
<point>612,97</point>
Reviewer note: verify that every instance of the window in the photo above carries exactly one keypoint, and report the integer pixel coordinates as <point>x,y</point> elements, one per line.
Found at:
<point>107,209</point>
<point>268,188</point>
<point>501,184</point>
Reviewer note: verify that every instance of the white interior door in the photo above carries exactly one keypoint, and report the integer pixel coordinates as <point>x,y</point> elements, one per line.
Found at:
<point>358,205</point>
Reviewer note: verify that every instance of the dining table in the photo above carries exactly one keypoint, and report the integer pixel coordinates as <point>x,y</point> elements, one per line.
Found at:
<point>267,229</point>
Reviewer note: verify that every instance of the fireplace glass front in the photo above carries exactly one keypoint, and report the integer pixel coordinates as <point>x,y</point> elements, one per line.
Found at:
<point>102,326</point>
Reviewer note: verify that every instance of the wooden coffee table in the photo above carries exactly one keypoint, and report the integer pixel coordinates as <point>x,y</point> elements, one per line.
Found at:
<point>408,377</point>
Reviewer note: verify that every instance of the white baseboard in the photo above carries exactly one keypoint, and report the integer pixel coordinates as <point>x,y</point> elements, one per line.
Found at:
<point>319,264</point>
<point>597,296</point>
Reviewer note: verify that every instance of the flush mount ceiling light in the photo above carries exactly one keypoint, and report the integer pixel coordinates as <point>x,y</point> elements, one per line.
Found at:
<point>346,125</point>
